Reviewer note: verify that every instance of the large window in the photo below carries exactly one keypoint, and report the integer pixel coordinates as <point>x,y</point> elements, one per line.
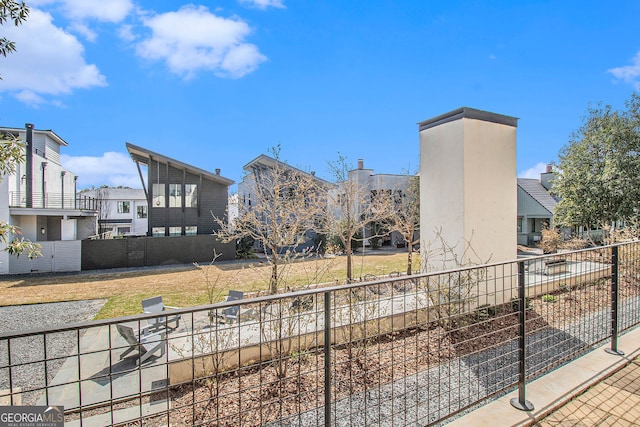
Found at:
<point>158,196</point>
<point>175,195</point>
<point>519,224</point>
<point>142,211</point>
<point>191,230</point>
<point>157,231</point>
<point>190,195</point>
<point>175,231</point>
<point>124,207</point>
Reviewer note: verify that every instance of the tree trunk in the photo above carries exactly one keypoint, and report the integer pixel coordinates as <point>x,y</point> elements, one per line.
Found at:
<point>347,246</point>
<point>409,256</point>
<point>273,285</point>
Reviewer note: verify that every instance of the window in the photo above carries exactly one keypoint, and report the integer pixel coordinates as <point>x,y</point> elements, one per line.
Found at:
<point>157,231</point>
<point>191,230</point>
<point>124,207</point>
<point>175,195</point>
<point>142,211</point>
<point>158,199</point>
<point>190,195</point>
<point>123,230</point>
<point>519,224</point>
<point>175,231</point>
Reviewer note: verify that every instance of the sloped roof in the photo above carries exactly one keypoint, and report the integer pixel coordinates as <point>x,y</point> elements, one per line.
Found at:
<point>265,161</point>
<point>48,132</point>
<point>533,188</point>
<point>143,155</point>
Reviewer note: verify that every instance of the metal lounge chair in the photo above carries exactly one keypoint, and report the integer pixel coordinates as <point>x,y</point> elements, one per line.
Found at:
<point>155,305</point>
<point>144,343</point>
<point>229,314</point>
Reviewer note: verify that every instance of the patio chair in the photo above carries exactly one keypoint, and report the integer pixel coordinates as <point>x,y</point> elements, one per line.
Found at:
<point>155,305</point>
<point>144,343</point>
<point>229,314</point>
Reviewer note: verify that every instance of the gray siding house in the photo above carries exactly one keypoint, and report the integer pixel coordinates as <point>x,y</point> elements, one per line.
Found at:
<point>182,199</point>
<point>536,207</point>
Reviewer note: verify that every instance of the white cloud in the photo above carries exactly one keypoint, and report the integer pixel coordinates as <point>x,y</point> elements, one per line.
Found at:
<point>629,73</point>
<point>101,10</point>
<point>29,98</point>
<point>193,39</point>
<point>99,171</point>
<point>48,60</point>
<point>533,172</point>
<point>82,29</point>
<point>263,4</point>
<point>125,32</point>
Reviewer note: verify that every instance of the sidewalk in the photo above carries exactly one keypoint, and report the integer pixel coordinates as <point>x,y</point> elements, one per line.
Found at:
<point>613,402</point>
<point>598,389</point>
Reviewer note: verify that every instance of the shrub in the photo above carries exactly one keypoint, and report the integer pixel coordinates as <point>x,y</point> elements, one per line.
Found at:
<point>549,298</point>
<point>550,241</point>
<point>244,248</point>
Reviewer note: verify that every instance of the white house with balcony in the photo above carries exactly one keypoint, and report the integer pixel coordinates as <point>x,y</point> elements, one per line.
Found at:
<point>120,211</point>
<point>41,198</point>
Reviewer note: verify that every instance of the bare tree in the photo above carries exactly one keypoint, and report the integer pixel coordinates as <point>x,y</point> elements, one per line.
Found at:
<point>405,217</point>
<point>352,208</point>
<point>287,205</point>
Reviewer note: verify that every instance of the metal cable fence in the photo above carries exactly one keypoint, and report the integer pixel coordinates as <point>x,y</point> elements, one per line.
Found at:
<point>396,351</point>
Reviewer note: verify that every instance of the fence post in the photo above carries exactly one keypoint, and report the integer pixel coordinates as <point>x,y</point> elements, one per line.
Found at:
<point>521,401</point>
<point>614,304</point>
<point>327,358</point>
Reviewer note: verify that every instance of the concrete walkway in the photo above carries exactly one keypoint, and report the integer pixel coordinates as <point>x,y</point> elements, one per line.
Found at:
<point>613,402</point>
<point>598,389</point>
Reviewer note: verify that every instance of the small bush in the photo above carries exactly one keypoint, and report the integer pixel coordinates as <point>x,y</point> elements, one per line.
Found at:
<point>515,303</point>
<point>550,241</point>
<point>244,248</point>
<point>549,298</point>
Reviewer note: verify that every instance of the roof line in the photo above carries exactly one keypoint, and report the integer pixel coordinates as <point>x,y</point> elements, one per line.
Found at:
<point>143,153</point>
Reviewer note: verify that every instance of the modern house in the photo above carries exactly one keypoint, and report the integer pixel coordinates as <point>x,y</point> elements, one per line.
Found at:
<point>183,199</point>
<point>120,211</point>
<point>259,171</point>
<point>41,198</point>
<point>371,183</point>
<point>536,207</point>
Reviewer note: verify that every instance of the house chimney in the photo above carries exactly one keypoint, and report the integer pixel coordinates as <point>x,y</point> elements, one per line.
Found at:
<point>360,164</point>
<point>549,168</point>
<point>29,166</point>
<point>218,171</point>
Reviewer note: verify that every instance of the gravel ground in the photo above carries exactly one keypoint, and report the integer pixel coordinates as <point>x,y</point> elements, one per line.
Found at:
<point>28,351</point>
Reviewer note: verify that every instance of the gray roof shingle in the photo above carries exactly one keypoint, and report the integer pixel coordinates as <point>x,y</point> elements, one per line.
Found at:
<point>540,194</point>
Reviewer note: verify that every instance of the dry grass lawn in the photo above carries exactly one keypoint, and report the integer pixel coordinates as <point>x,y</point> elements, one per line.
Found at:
<point>186,286</point>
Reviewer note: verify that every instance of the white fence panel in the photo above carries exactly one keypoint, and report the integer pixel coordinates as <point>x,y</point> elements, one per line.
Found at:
<point>42,264</point>
<point>56,256</point>
<point>67,255</point>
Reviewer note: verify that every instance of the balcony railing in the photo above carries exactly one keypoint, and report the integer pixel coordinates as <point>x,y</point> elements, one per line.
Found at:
<point>53,201</point>
<point>407,350</point>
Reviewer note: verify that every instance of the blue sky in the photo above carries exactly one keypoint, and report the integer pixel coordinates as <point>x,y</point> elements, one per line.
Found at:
<point>215,84</point>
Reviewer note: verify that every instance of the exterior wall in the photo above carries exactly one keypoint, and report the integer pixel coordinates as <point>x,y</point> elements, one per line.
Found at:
<point>109,219</point>
<point>4,216</point>
<point>148,251</point>
<point>468,188</point>
<point>212,200</point>
<point>531,213</point>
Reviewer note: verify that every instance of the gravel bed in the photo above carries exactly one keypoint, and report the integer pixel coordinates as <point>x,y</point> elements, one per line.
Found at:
<point>27,352</point>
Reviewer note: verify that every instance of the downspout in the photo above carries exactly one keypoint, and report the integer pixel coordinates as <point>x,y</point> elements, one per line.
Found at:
<point>29,166</point>
<point>75,192</point>
<point>44,188</point>
<point>62,174</point>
